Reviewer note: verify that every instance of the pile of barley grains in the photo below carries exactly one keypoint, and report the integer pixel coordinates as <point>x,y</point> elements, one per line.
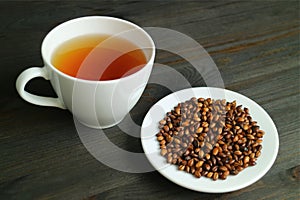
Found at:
<point>211,138</point>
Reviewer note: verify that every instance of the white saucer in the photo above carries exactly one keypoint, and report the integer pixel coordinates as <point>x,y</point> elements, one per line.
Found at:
<point>247,177</point>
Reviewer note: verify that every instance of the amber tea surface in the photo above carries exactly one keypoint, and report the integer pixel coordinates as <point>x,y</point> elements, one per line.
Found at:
<point>98,57</point>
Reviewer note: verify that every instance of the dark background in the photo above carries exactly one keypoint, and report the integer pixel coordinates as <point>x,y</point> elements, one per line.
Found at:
<point>254,44</point>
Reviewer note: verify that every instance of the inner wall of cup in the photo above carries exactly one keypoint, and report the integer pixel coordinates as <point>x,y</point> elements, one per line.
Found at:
<point>96,25</point>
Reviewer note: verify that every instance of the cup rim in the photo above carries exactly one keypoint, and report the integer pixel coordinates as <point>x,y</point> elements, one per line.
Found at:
<point>149,61</point>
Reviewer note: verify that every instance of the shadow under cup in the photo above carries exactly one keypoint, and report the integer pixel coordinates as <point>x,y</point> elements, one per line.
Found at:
<point>99,104</point>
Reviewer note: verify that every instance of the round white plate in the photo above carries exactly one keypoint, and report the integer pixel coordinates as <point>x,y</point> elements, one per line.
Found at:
<point>245,178</point>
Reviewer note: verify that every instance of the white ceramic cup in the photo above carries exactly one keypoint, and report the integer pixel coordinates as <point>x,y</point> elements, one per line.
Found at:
<point>96,104</point>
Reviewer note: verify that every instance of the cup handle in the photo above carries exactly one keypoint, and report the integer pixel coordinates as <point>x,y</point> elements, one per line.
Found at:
<point>26,76</point>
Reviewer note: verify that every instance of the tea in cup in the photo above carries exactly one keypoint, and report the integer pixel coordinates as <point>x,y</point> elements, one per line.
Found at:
<point>98,66</point>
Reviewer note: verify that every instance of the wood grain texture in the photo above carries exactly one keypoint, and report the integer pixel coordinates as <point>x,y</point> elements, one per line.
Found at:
<point>254,44</point>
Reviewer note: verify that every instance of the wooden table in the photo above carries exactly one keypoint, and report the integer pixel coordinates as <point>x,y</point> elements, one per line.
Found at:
<point>254,44</point>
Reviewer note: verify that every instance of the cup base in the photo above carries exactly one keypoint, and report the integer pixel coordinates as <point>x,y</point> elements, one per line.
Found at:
<point>99,127</point>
